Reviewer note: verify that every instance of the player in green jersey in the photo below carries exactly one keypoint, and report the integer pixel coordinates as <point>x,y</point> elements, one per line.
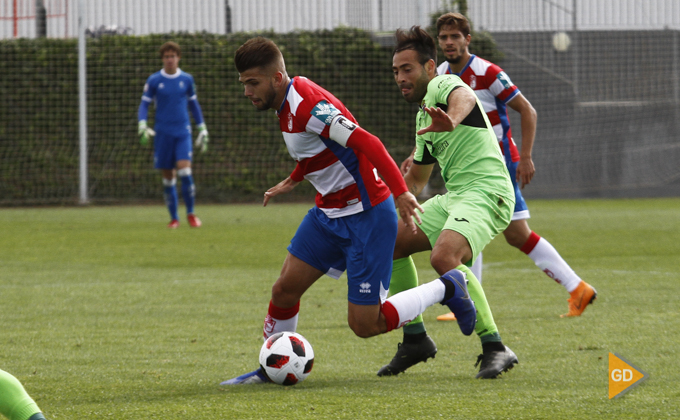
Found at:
<point>454,131</point>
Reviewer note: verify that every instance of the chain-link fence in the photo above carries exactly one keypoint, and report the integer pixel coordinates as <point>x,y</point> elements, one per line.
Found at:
<point>605,85</point>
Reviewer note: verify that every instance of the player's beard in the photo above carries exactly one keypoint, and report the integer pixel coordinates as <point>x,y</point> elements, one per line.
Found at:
<point>454,60</point>
<point>268,100</point>
<point>418,89</point>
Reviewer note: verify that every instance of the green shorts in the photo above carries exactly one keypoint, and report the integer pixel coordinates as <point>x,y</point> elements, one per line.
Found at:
<point>476,214</point>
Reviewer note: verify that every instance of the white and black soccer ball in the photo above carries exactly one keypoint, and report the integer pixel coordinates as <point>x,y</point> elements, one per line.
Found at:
<point>286,358</point>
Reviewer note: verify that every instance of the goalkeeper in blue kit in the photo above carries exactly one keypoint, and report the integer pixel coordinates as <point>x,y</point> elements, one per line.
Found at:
<point>173,91</point>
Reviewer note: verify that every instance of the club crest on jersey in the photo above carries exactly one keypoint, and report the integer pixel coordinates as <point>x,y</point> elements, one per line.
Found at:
<point>504,79</point>
<point>473,81</point>
<point>290,122</point>
<point>181,84</point>
<point>161,86</point>
<point>325,112</point>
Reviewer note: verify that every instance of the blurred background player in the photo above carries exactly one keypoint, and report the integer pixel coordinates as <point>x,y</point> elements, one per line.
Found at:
<point>353,226</point>
<point>15,403</point>
<point>173,90</point>
<point>452,130</point>
<point>496,92</point>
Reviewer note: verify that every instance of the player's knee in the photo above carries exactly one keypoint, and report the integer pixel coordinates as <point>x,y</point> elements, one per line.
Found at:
<point>184,172</point>
<point>400,250</point>
<point>279,292</point>
<point>283,296</point>
<point>169,182</point>
<point>516,239</point>
<point>443,262</point>
<point>363,330</point>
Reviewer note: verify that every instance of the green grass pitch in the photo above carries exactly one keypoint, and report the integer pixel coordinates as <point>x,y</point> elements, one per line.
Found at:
<point>107,314</point>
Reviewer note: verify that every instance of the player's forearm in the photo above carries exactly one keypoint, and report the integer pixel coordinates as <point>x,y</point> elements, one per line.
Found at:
<point>528,119</point>
<point>415,186</point>
<point>143,111</point>
<point>195,109</point>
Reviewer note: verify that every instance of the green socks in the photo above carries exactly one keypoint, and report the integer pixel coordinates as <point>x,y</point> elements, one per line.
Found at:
<point>15,403</point>
<point>486,327</point>
<point>404,277</point>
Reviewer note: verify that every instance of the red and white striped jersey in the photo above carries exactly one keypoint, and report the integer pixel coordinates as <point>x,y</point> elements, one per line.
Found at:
<point>346,182</point>
<point>494,90</point>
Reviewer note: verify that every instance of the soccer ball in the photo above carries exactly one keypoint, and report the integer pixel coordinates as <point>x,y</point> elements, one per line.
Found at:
<point>286,358</point>
<point>561,41</point>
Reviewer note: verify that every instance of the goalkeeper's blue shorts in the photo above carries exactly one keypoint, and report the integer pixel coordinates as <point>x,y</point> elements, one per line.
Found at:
<point>362,244</point>
<point>171,147</point>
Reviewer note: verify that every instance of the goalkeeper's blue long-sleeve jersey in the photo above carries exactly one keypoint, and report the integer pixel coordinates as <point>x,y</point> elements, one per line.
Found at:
<point>172,93</point>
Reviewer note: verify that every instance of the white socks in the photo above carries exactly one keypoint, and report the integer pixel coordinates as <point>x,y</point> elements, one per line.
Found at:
<point>546,257</point>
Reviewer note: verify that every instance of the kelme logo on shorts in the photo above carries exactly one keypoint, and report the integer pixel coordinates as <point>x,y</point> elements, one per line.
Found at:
<point>623,376</point>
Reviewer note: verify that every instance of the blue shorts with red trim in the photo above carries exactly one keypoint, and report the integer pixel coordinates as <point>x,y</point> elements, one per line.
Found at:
<point>521,211</point>
<point>362,244</point>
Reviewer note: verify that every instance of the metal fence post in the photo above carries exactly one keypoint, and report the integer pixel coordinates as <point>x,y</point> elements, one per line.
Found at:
<point>82,102</point>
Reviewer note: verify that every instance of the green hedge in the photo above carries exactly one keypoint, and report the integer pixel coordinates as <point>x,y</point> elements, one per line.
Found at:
<point>39,130</point>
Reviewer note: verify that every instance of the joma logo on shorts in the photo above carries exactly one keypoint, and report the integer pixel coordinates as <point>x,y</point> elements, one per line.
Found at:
<point>439,148</point>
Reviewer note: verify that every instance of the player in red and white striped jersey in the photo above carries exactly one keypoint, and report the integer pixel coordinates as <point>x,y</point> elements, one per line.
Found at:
<point>496,91</point>
<point>353,226</point>
<point>346,181</point>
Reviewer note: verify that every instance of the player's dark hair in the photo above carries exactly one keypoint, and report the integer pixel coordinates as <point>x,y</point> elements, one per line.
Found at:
<point>416,39</point>
<point>257,52</point>
<point>170,46</point>
<point>455,21</point>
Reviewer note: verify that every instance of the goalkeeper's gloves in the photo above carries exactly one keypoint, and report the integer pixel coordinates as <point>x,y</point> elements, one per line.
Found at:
<point>202,138</point>
<point>144,133</point>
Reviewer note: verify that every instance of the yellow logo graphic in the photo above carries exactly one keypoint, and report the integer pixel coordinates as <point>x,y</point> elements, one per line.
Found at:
<point>623,376</point>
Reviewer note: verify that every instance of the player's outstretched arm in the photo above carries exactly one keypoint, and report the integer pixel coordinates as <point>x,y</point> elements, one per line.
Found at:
<point>282,187</point>
<point>441,122</point>
<point>460,102</point>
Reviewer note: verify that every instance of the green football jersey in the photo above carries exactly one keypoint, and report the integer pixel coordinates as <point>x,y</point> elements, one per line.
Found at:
<point>469,155</point>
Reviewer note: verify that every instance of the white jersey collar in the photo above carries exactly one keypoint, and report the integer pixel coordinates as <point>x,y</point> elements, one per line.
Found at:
<point>171,76</point>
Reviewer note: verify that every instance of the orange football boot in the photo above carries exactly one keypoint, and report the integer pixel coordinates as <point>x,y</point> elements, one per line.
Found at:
<point>447,317</point>
<point>581,297</point>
